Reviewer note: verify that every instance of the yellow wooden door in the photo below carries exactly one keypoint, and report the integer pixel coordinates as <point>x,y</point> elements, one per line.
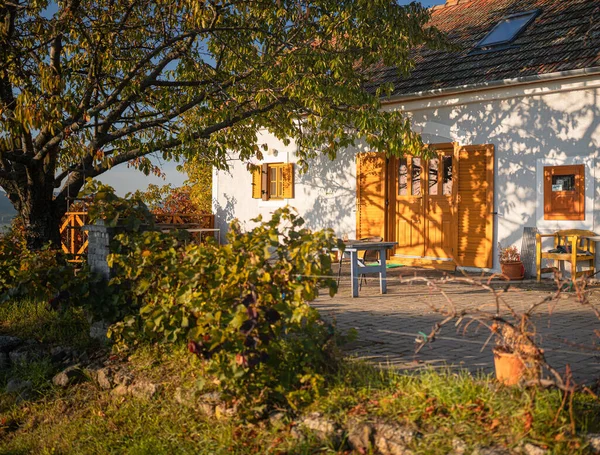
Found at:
<point>475,206</point>
<point>408,224</point>
<point>440,204</point>
<point>371,194</point>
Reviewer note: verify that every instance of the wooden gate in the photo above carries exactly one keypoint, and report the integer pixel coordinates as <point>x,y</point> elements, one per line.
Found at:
<point>74,240</point>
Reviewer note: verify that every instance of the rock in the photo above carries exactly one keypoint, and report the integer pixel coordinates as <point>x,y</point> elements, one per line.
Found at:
<point>207,409</point>
<point>98,331</point>
<point>8,343</point>
<point>360,436</point>
<point>594,441</point>
<point>19,387</point>
<point>4,361</point>
<point>123,377</point>
<point>207,403</point>
<point>61,354</point>
<point>104,378</point>
<point>120,390</point>
<point>393,439</point>
<point>143,389</point>
<point>68,376</point>
<point>459,447</point>
<point>296,434</point>
<point>531,449</point>
<point>211,397</point>
<point>325,429</point>
<point>222,410</point>
<point>25,354</point>
<point>277,418</point>
<point>185,397</point>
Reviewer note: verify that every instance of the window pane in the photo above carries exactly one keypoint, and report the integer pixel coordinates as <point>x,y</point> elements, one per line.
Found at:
<point>280,182</point>
<point>272,182</point>
<point>447,176</point>
<point>433,176</point>
<point>563,182</point>
<point>402,177</point>
<point>416,177</point>
<point>506,30</point>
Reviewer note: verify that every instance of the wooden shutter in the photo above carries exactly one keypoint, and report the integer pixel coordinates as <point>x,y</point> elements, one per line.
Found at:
<point>264,182</point>
<point>256,184</point>
<point>564,204</point>
<point>475,206</point>
<point>370,195</point>
<point>288,181</point>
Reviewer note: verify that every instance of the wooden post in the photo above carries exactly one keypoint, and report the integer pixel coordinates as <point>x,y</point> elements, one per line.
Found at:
<point>538,256</point>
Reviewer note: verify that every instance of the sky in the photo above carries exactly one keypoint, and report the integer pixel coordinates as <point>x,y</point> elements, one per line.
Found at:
<point>125,179</point>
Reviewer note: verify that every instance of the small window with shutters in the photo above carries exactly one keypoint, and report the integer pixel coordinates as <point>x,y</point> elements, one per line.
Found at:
<point>273,181</point>
<point>564,192</point>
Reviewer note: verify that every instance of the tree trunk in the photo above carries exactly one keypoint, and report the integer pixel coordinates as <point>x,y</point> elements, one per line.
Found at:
<point>41,220</point>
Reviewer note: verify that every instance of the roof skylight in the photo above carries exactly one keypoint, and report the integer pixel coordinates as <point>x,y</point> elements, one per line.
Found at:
<point>507,29</point>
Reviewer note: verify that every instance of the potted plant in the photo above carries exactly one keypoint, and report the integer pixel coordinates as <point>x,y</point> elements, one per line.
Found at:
<point>515,355</point>
<point>510,262</point>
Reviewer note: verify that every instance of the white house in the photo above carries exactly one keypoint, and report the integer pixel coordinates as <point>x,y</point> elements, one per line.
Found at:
<point>514,117</point>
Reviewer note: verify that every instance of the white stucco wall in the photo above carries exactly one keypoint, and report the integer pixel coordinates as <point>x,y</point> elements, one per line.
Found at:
<point>325,196</point>
<point>530,126</point>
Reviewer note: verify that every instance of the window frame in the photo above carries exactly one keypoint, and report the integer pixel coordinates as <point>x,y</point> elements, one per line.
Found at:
<point>534,14</point>
<point>279,167</point>
<point>578,170</point>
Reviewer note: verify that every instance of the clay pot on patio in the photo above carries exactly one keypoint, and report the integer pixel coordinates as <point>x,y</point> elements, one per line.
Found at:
<point>509,366</point>
<point>513,270</point>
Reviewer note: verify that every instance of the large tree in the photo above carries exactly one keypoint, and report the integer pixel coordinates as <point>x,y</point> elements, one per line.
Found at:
<point>86,85</point>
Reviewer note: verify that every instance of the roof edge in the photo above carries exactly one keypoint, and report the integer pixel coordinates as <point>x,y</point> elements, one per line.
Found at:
<point>492,84</point>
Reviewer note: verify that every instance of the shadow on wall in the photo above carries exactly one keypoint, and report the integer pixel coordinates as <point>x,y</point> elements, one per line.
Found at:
<point>224,214</point>
<point>523,130</point>
<point>331,185</point>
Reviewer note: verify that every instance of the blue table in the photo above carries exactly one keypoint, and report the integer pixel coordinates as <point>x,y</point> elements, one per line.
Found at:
<point>358,267</point>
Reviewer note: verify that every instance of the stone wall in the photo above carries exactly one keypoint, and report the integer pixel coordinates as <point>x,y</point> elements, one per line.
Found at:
<point>99,237</point>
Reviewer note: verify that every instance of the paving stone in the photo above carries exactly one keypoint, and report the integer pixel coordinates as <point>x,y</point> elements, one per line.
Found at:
<point>388,325</point>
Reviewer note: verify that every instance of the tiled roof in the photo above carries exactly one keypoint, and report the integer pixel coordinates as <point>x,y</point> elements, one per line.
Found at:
<point>565,36</point>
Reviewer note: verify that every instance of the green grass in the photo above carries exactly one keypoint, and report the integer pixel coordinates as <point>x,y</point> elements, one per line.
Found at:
<point>440,405</point>
<point>34,320</point>
<point>443,405</point>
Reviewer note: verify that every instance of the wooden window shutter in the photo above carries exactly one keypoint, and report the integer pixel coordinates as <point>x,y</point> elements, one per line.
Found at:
<point>288,181</point>
<point>564,192</point>
<point>475,206</point>
<point>256,184</point>
<point>264,182</point>
<point>371,194</point>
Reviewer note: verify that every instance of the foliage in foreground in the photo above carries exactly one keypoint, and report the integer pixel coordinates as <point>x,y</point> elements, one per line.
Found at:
<point>439,405</point>
<point>241,307</point>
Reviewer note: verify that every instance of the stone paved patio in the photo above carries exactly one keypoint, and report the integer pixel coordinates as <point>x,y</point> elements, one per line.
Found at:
<point>388,325</point>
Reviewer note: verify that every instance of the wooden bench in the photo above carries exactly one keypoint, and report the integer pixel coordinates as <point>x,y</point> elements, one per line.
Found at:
<point>575,247</point>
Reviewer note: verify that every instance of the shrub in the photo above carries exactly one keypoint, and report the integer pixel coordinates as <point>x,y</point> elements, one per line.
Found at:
<point>12,246</point>
<point>242,307</point>
<point>41,274</point>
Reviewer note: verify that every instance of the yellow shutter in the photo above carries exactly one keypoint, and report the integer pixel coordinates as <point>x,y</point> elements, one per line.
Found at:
<point>370,195</point>
<point>256,184</point>
<point>288,181</point>
<point>475,206</point>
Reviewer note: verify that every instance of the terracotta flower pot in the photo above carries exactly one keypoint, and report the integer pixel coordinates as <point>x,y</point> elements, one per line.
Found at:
<point>509,366</point>
<point>513,270</point>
